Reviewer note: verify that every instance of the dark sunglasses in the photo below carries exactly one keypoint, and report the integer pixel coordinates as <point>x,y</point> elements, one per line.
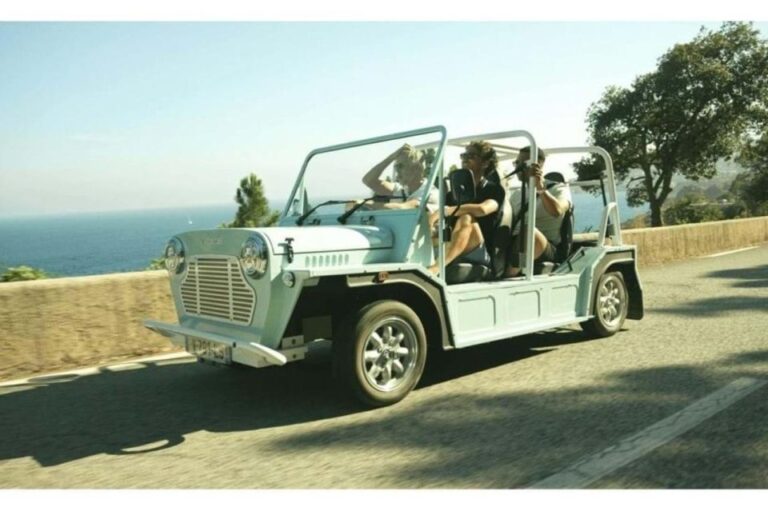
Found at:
<point>467,156</point>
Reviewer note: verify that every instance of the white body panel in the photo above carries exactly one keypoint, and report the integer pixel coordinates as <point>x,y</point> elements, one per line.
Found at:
<point>486,311</point>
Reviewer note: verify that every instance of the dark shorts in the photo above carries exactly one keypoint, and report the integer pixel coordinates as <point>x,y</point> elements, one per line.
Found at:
<point>513,256</point>
<point>477,256</point>
<point>548,256</point>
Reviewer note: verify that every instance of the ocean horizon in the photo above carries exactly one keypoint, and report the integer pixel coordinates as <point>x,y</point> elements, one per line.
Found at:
<point>95,243</point>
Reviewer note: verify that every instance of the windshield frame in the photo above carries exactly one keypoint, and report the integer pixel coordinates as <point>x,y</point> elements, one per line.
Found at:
<point>432,174</point>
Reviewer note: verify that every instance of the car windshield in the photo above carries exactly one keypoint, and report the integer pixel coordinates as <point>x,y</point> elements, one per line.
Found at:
<point>394,170</point>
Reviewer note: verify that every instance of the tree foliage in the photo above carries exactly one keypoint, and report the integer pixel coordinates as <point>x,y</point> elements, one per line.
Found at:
<point>428,157</point>
<point>752,186</point>
<point>157,263</point>
<point>684,116</point>
<point>692,209</point>
<point>19,273</point>
<point>253,210</point>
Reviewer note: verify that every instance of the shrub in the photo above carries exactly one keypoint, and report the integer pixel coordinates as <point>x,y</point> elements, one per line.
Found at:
<point>19,273</point>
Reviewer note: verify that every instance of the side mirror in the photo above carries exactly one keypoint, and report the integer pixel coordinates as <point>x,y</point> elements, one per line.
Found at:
<point>461,189</point>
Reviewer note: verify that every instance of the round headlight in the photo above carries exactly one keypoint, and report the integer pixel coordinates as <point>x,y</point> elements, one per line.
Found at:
<point>254,256</point>
<point>174,255</point>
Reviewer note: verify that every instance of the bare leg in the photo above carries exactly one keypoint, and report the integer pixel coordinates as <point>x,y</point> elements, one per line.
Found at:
<point>466,237</point>
<point>540,243</point>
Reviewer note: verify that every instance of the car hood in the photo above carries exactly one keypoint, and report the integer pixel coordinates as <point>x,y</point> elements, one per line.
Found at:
<point>329,238</point>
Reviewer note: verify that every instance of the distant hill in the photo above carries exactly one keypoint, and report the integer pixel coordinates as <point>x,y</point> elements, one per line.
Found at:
<point>726,172</point>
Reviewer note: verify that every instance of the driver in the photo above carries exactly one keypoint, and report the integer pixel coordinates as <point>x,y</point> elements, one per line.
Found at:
<point>409,183</point>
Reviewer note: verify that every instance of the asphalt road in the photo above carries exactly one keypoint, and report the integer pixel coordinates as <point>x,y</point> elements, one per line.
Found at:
<point>505,415</point>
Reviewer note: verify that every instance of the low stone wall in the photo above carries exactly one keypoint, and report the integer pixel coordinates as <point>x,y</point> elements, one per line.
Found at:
<point>63,323</point>
<point>56,324</point>
<point>657,245</point>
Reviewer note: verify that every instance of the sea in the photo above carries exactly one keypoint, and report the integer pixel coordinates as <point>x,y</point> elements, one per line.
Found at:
<point>69,245</point>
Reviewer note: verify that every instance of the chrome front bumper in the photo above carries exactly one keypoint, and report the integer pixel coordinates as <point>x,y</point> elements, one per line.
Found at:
<point>248,353</point>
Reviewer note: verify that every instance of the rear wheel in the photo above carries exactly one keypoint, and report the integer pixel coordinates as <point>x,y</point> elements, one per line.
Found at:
<point>610,306</point>
<point>381,352</point>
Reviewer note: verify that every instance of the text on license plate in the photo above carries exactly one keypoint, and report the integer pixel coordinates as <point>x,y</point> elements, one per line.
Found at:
<point>209,350</point>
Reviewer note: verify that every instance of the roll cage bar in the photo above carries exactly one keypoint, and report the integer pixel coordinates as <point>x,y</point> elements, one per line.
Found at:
<point>504,152</point>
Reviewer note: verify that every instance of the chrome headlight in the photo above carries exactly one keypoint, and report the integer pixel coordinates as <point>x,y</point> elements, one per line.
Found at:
<point>254,256</point>
<point>174,255</point>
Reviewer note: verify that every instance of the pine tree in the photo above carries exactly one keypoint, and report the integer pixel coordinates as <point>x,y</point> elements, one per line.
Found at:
<point>253,210</point>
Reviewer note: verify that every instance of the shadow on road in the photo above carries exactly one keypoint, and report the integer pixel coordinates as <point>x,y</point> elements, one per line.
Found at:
<point>718,306</point>
<point>509,440</point>
<point>746,277</point>
<point>68,417</point>
<point>463,439</point>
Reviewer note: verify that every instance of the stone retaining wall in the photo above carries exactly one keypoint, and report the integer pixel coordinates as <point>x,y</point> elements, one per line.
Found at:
<point>657,245</point>
<point>80,321</point>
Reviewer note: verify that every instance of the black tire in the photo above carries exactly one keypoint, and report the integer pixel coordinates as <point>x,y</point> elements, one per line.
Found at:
<point>610,305</point>
<point>380,352</point>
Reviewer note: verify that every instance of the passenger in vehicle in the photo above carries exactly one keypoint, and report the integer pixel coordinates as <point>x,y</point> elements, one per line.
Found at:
<point>553,201</point>
<point>475,221</point>
<point>409,183</point>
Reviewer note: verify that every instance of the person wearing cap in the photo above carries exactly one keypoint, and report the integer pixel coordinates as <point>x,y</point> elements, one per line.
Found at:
<point>552,203</point>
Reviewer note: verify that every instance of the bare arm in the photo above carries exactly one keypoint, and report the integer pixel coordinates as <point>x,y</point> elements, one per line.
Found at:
<point>485,208</point>
<point>372,179</point>
<point>413,203</point>
<point>552,205</point>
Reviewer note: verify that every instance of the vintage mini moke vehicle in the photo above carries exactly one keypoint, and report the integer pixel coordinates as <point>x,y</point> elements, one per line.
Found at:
<point>341,268</point>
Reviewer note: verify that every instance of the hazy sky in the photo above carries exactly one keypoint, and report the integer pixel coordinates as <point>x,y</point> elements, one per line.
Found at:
<point>110,116</point>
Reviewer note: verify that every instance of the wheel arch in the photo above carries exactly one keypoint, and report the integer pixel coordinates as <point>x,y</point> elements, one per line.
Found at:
<point>417,292</point>
<point>336,296</point>
<point>626,264</point>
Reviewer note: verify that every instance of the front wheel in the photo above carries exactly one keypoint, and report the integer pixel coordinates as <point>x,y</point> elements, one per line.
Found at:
<point>381,352</point>
<point>610,306</point>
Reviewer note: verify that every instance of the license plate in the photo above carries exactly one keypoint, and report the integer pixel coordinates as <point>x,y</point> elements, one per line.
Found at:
<point>209,350</point>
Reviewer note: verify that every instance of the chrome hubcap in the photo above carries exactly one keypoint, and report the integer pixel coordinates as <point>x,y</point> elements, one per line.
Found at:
<point>389,354</point>
<point>611,300</point>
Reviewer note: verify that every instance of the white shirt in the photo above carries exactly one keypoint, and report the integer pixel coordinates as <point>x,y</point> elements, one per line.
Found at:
<point>548,224</point>
<point>433,199</point>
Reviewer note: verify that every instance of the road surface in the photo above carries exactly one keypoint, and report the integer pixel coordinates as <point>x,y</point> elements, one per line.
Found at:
<point>677,400</point>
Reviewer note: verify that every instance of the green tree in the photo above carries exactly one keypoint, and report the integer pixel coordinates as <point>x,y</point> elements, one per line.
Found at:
<point>692,209</point>
<point>684,116</point>
<point>19,273</point>
<point>253,210</point>
<point>752,186</point>
<point>157,263</point>
<point>428,157</point>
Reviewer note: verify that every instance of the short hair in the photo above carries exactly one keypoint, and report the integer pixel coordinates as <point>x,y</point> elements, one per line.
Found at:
<point>487,155</point>
<point>542,154</point>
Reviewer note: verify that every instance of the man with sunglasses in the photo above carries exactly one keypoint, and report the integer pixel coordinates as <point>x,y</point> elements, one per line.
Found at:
<point>552,202</point>
<point>475,221</point>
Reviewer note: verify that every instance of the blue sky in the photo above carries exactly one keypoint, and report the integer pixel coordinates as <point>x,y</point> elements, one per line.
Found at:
<point>113,116</point>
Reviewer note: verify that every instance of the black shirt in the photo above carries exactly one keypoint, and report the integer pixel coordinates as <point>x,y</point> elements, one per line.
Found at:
<point>489,189</point>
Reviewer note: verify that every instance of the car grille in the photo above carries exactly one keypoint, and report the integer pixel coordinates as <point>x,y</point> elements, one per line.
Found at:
<point>215,287</point>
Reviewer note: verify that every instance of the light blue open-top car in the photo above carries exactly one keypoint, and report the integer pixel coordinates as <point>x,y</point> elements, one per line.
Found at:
<point>343,268</point>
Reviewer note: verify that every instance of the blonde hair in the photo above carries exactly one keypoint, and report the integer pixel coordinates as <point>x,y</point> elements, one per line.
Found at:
<point>409,159</point>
